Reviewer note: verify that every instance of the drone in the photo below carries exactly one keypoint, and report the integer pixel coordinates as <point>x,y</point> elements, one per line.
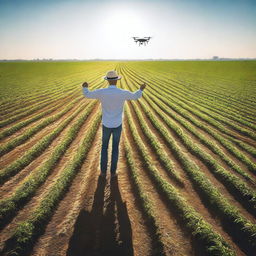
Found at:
<point>142,40</point>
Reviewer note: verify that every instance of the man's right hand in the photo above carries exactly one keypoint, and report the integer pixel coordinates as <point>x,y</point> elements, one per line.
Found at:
<point>143,86</point>
<point>85,84</point>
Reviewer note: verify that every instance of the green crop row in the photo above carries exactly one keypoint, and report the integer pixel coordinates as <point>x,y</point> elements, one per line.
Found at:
<point>211,145</point>
<point>57,94</point>
<point>36,150</point>
<point>248,148</point>
<point>31,110</point>
<point>163,157</point>
<point>64,90</point>
<point>235,185</point>
<point>199,111</point>
<point>5,148</point>
<point>8,206</point>
<point>154,97</point>
<point>224,97</point>
<point>200,230</point>
<point>16,127</point>
<point>171,95</point>
<point>192,89</point>
<point>26,106</point>
<point>71,90</point>
<point>47,79</point>
<point>189,88</point>
<point>19,125</point>
<point>199,97</point>
<point>225,210</point>
<point>222,116</point>
<point>30,132</point>
<point>181,109</point>
<point>27,231</point>
<point>45,89</point>
<point>146,205</point>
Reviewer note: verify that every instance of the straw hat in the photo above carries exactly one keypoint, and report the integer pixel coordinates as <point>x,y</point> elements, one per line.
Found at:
<point>112,75</point>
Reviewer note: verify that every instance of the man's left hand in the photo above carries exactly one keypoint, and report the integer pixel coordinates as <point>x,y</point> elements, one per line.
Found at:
<point>143,86</point>
<point>85,84</point>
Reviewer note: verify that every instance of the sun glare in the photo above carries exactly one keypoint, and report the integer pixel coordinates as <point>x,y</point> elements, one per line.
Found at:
<point>125,20</point>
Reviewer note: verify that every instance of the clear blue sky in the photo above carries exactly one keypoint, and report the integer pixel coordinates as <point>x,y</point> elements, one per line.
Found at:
<point>103,29</point>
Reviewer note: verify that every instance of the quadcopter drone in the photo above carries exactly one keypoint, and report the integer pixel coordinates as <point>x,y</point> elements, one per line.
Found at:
<point>142,40</point>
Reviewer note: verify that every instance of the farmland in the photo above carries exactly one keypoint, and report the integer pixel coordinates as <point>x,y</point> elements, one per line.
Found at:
<point>186,182</point>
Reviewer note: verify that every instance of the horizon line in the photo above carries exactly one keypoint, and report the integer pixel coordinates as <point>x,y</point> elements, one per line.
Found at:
<point>214,58</point>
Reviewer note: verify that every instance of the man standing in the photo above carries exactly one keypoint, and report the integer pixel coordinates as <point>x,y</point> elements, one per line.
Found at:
<point>112,101</point>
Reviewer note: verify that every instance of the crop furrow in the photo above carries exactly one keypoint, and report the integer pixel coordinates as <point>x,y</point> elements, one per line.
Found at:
<point>199,111</point>
<point>214,148</point>
<point>48,93</point>
<point>223,208</point>
<point>200,230</point>
<point>33,130</point>
<point>183,112</point>
<point>28,231</point>
<point>27,189</point>
<point>145,201</point>
<point>21,124</point>
<point>234,184</point>
<point>36,150</point>
<point>10,145</point>
<point>191,88</point>
<point>18,126</point>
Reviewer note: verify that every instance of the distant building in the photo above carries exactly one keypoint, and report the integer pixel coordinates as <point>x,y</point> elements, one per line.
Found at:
<point>215,57</point>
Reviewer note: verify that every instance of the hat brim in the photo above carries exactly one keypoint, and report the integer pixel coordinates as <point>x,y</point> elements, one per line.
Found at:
<point>118,78</point>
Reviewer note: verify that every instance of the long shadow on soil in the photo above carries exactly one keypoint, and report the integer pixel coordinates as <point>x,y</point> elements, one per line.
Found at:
<point>104,230</point>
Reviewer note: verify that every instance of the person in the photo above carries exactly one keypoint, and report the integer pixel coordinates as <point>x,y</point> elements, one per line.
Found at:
<point>112,102</point>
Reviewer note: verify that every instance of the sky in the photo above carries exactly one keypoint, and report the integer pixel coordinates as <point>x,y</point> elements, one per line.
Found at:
<point>80,29</point>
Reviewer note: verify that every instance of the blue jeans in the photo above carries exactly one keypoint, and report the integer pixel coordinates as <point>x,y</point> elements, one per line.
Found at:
<point>106,133</point>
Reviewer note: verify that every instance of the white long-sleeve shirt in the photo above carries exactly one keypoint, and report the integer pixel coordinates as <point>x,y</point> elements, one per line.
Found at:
<point>112,102</point>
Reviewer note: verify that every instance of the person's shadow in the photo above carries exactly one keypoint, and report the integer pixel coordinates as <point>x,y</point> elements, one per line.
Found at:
<point>106,230</point>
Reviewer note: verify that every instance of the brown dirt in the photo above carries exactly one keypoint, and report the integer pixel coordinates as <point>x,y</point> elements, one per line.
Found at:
<point>98,217</point>
<point>18,109</point>
<point>18,151</point>
<point>51,104</point>
<point>203,167</point>
<point>40,193</point>
<point>23,129</point>
<point>188,192</point>
<point>10,186</point>
<point>207,150</point>
<point>61,227</point>
<point>231,121</point>
<point>142,242</point>
<point>174,238</point>
<point>230,129</point>
<point>185,150</point>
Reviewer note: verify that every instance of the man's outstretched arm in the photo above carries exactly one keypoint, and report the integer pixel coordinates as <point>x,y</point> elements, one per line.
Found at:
<point>135,95</point>
<point>90,94</point>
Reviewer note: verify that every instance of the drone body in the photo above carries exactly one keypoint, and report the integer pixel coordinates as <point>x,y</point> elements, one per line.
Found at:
<point>142,40</point>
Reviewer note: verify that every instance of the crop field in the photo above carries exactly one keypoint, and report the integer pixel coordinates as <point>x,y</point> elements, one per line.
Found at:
<point>186,173</point>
